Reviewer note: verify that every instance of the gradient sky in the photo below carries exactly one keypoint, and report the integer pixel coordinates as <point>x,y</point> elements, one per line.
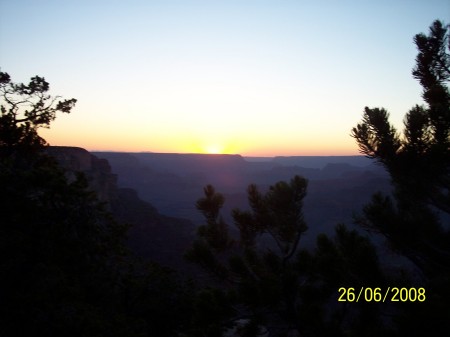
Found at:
<point>258,78</point>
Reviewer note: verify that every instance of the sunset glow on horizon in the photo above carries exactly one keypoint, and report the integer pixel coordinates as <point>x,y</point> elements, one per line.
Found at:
<point>256,78</point>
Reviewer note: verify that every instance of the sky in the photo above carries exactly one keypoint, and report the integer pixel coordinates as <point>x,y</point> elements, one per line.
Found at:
<point>258,78</point>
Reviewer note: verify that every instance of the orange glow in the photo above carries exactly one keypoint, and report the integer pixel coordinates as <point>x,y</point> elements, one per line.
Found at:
<point>281,140</point>
<point>262,147</point>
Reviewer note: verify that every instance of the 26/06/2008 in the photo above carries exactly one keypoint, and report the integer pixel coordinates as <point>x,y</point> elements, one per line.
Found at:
<point>393,294</point>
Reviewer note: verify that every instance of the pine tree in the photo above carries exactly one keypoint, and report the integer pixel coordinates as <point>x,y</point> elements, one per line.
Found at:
<point>262,284</point>
<point>418,162</point>
<point>415,218</point>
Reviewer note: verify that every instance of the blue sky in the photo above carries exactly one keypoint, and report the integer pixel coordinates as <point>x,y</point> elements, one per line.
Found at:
<point>249,77</point>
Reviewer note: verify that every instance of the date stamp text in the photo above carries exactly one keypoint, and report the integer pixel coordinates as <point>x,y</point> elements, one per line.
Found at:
<point>391,294</point>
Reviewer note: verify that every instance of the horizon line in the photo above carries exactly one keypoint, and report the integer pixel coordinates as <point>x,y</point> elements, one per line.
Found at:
<point>231,154</point>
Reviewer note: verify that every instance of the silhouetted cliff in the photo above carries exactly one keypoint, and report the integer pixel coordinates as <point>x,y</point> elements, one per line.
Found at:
<point>97,171</point>
<point>152,235</point>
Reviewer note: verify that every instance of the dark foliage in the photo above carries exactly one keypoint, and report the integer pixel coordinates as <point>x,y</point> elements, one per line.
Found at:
<point>25,108</point>
<point>64,267</point>
<point>266,283</point>
<point>418,162</point>
<point>415,219</point>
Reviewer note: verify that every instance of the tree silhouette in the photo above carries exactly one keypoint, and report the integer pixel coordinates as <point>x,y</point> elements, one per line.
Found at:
<point>265,279</point>
<point>418,162</point>
<point>25,108</point>
<point>65,270</point>
<point>414,220</point>
<point>264,283</point>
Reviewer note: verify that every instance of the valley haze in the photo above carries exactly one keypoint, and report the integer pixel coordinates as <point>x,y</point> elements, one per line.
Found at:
<point>339,186</point>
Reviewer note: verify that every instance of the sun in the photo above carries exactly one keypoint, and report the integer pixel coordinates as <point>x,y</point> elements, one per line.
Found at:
<point>214,149</point>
